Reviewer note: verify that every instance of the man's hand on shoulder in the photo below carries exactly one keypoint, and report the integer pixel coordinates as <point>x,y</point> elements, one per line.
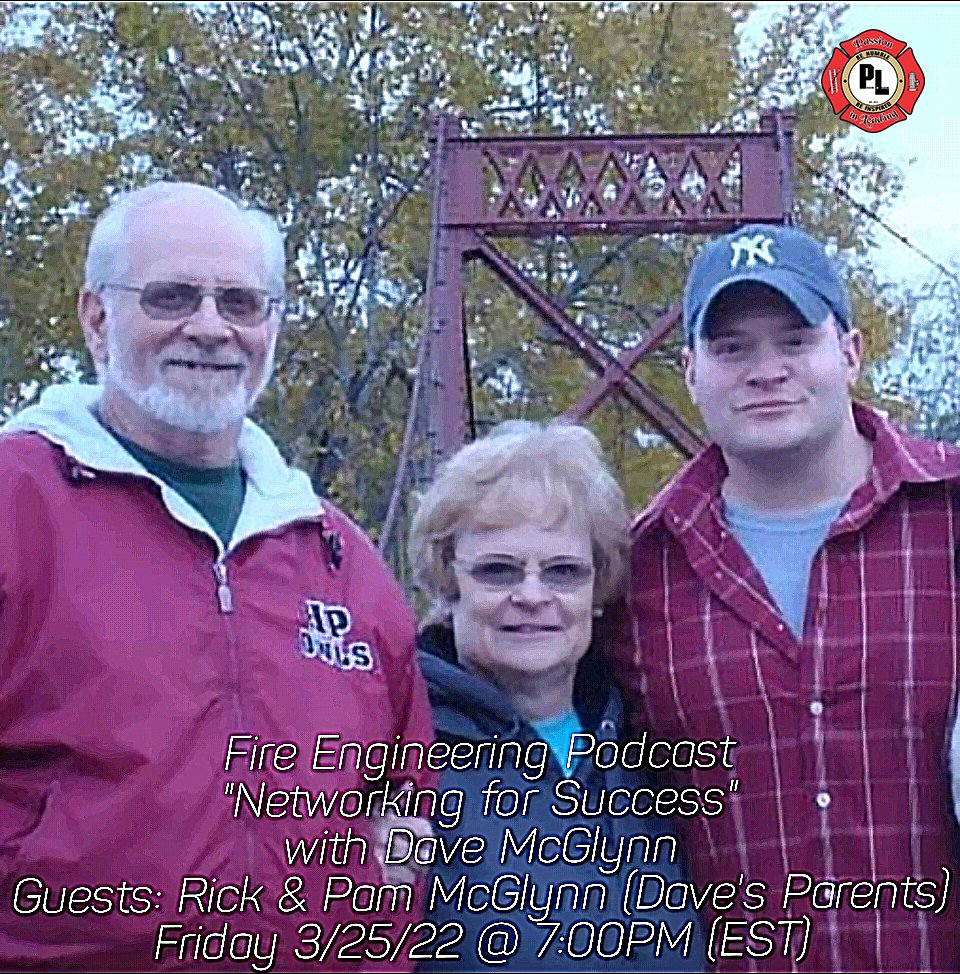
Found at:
<point>406,871</point>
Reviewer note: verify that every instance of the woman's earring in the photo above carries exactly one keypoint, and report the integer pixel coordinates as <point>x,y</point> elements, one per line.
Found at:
<point>597,611</point>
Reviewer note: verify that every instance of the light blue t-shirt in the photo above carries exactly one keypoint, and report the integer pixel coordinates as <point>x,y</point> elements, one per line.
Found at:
<point>783,547</point>
<point>557,732</point>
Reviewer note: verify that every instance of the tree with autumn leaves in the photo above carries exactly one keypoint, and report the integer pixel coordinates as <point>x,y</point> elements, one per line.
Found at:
<point>320,112</point>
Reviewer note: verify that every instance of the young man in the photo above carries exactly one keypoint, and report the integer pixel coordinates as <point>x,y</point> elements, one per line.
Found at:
<point>795,589</point>
<point>180,618</point>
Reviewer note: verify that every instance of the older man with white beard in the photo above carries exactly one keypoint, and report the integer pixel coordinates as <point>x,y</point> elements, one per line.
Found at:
<point>180,618</point>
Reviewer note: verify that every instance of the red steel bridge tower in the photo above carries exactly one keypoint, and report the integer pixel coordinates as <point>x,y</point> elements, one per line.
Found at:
<point>542,186</point>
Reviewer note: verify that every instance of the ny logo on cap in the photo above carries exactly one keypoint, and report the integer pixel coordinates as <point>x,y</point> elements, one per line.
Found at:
<point>752,249</point>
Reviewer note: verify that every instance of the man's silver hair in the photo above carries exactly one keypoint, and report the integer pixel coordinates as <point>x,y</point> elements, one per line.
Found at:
<point>111,231</point>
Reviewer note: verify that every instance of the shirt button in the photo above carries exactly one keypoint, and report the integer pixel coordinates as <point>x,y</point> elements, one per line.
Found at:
<point>816,707</point>
<point>823,799</point>
<point>780,627</point>
<point>718,574</point>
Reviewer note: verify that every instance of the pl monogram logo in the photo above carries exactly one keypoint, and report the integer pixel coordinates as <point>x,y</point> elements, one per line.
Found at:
<point>752,249</point>
<point>324,638</point>
<point>873,81</point>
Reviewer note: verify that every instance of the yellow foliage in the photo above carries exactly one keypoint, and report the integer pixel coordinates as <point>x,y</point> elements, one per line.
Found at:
<point>320,113</point>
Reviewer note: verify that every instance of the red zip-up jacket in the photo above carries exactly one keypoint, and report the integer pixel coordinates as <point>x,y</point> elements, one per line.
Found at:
<point>132,646</point>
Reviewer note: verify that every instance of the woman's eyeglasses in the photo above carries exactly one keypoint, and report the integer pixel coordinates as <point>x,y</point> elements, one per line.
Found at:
<point>169,300</point>
<point>502,574</point>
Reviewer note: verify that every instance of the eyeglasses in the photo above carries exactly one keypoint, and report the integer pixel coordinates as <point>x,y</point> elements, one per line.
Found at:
<point>169,300</point>
<point>503,574</point>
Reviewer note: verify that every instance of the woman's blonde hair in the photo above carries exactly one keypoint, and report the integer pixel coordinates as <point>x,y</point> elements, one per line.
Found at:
<point>498,481</point>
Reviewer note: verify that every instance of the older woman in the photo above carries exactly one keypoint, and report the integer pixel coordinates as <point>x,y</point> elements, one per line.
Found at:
<point>521,544</point>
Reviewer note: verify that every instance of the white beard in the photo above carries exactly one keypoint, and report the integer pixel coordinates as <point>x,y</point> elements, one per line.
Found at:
<point>206,411</point>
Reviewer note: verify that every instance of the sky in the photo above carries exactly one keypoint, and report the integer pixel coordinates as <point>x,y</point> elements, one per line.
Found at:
<point>925,147</point>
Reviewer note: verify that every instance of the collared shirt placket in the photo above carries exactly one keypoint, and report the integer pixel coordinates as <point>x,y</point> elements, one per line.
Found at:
<point>743,592</point>
<point>819,595</point>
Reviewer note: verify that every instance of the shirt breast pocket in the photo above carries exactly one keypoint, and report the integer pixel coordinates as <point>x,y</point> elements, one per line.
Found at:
<point>688,690</point>
<point>908,726</point>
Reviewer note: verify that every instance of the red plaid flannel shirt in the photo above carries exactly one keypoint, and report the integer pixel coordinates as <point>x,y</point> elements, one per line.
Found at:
<point>842,737</point>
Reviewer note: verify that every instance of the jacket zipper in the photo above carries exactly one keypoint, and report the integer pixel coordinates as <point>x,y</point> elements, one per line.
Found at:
<point>224,595</point>
<point>225,602</point>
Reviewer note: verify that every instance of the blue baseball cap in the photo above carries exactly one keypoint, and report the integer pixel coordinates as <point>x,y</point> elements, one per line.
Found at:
<point>784,258</point>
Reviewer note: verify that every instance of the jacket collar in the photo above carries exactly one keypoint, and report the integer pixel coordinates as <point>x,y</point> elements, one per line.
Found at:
<point>276,494</point>
<point>897,459</point>
<point>467,705</point>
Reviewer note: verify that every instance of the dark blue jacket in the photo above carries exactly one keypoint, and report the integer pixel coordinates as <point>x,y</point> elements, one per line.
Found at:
<point>592,934</point>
